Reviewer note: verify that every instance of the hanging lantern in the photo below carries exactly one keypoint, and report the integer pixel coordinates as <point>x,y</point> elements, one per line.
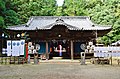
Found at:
<point>37,47</point>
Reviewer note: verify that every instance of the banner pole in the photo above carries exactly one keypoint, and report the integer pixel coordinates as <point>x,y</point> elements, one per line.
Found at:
<point>14,59</point>
<point>5,59</point>
<point>2,59</point>
<point>10,59</point>
<point>111,60</point>
<point>18,60</point>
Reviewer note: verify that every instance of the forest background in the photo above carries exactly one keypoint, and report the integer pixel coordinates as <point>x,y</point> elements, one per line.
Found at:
<point>103,12</point>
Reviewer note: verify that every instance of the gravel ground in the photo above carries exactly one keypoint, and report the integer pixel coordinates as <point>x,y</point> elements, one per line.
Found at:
<point>59,71</point>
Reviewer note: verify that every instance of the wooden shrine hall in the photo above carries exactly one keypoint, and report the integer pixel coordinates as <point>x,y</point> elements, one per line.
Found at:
<point>66,34</point>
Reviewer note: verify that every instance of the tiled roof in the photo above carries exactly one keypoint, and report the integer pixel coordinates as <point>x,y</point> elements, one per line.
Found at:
<point>71,22</point>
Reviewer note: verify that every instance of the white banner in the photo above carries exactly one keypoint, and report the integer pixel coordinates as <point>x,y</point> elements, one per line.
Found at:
<point>22,47</point>
<point>95,53</point>
<point>15,49</point>
<point>118,54</point>
<point>99,54</point>
<point>9,50</point>
<point>107,51</point>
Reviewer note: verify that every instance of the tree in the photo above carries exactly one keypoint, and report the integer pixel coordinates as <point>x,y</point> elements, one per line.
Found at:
<point>2,8</point>
<point>103,12</point>
<point>1,21</point>
<point>74,8</point>
<point>28,8</point>
<point>11,18</point>
<point>8,16</point>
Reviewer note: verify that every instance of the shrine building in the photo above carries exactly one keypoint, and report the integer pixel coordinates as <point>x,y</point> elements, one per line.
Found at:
<point>54,34</point>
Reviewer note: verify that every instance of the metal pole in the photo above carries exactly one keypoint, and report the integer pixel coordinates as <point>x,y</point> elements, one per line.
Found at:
<point>96,37</point>
<point>14,59</point>
<point>111,52</point>
<point>10,59</point>
<point>1,53</point>
<point>5,60</point>
<point>111,57</point>
<point>2,48</point>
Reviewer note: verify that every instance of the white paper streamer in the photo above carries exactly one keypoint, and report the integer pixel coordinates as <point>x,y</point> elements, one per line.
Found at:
<point>9,50</point>
<point>15,48</point>
<point>22,47</point>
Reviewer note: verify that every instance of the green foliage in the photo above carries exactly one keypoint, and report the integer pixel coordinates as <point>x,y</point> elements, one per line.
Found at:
<point>59,11</point>
<point>108,13</point>
<point>8,16</point>
<point>19,11</point>
<point>11,18</point>
<point>28,8</point>
<point>1,21</point>
<point>74,8</point>
<point>2,6</point>
<point>104,12</point>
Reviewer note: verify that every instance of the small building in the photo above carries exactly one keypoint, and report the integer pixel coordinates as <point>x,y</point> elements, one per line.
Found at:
<point>72,33</point>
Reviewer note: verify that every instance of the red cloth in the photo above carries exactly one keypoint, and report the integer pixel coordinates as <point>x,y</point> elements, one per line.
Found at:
<point>26,45</point>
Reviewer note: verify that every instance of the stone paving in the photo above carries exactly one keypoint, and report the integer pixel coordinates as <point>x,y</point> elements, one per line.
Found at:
<point>59,70</point>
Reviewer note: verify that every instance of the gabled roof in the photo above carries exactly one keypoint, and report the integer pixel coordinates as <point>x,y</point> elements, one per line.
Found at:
<point>71,22</point>
<point>116,43</point>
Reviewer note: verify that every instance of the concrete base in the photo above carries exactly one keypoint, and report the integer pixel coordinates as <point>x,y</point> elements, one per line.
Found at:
<point>57,58</point>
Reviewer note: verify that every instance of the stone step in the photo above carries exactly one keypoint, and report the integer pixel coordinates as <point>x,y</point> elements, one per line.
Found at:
<point>57,58</point>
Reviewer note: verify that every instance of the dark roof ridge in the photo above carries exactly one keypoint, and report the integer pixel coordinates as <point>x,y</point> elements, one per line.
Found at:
<point>62,17</point>
<point>59,23</point>
<point>72,23</point>
<point>75,17</point>
<point>29,21</point>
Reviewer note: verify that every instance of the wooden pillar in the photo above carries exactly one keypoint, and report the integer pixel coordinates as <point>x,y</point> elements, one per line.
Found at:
<point>47,54</point>
<point>71,50</point>
<point>46,47</point>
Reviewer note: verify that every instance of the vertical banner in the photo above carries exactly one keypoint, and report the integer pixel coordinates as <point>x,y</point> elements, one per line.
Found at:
<point>26,51</point>
<point>114,51</point>
<point>95,52</point>
<point>109,51</point>
<point>15,48</point>
<point>22,47</point>
<point>118,51</point>
<point>9,50</point>
<point>106,51</point>
<point>99,52</point>
<point>60,51</point>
